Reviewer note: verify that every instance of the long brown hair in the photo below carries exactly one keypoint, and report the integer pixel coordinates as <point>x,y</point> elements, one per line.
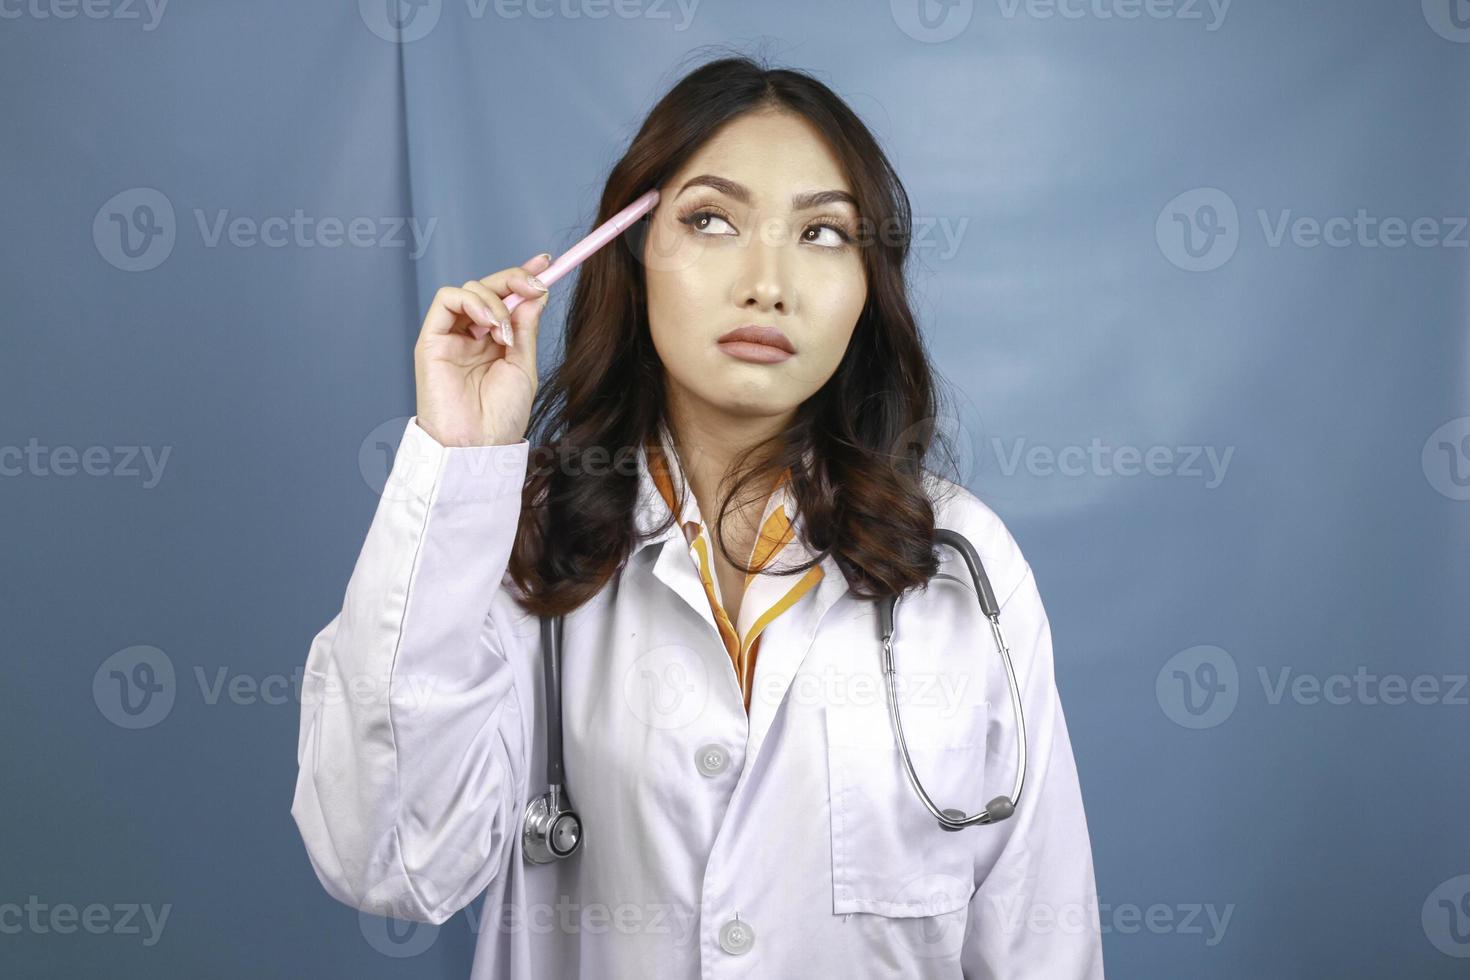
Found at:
<point>866,432</point>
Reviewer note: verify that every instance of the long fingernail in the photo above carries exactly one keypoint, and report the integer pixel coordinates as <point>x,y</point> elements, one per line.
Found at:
<point>510,333</point>
<point>536,283</point>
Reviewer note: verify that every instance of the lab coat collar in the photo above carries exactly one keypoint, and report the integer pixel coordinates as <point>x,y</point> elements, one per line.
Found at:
<point>778,662</point>
<point>651,508</point>
<point>652,511</point>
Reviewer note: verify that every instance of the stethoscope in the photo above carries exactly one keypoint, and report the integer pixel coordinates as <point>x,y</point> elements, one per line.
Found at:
<point>553,830</point>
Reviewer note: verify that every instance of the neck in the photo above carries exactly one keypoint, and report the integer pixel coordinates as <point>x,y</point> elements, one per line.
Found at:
<point>709,442</point>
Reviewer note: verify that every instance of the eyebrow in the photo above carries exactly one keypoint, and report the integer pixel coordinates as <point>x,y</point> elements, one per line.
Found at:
<point>741,193</point>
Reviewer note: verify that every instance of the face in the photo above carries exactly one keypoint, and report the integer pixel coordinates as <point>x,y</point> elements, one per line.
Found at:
<point>732,244</point>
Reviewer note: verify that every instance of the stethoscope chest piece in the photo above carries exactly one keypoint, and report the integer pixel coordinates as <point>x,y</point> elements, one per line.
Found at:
<point>552,830</point>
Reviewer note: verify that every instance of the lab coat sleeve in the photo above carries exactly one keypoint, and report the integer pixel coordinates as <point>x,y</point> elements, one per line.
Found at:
<point>1034,913</point>
<point>410,753</point>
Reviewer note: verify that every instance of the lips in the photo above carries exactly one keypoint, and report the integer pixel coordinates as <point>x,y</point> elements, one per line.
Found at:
<point>755,334</point>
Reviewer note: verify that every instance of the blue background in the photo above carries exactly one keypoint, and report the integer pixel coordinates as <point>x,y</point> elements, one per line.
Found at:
<point>1067,152</point>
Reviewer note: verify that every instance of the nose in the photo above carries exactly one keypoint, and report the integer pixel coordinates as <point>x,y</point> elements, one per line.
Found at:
<point>764,282</point>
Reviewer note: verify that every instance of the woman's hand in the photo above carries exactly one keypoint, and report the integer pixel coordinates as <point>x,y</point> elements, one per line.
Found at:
<point>478,392</point>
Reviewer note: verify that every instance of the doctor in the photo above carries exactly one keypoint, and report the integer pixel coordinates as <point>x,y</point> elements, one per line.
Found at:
<point>726,734</point>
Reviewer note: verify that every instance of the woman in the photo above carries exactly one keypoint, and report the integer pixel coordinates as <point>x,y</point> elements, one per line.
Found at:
<point>749,353</point>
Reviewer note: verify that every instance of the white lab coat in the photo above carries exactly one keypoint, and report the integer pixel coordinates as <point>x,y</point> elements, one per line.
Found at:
<point>421,743</point>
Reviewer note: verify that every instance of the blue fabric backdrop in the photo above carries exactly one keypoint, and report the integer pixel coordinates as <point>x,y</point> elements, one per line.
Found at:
<point>1197,271</point>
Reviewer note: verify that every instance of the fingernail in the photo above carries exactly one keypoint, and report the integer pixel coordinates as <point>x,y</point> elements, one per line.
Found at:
<point>510,336</point>
<point>545,255</point>
<point>536,283</point>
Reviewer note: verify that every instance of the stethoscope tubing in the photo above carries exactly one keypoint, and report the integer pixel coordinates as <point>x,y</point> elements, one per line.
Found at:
<point>1002,806</point>
<point>553,829</point>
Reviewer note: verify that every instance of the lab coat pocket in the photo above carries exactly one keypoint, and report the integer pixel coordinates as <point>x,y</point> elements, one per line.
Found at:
<point>889,853</point>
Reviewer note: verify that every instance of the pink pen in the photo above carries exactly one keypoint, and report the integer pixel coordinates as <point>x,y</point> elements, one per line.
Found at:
<point>575,255</point>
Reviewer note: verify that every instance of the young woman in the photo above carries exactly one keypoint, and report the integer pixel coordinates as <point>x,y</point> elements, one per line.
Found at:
<point>727,475</point>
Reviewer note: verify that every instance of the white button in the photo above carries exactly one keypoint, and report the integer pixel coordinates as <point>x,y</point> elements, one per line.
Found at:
<point>736,937</point>
<point>711,759</point>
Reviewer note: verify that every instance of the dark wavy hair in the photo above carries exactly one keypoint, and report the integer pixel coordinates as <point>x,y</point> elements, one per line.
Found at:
<point>866,432</point>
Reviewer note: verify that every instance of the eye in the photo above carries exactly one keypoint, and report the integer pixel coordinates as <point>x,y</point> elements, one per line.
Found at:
<point>837,237</point>
<point>699,221</point>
